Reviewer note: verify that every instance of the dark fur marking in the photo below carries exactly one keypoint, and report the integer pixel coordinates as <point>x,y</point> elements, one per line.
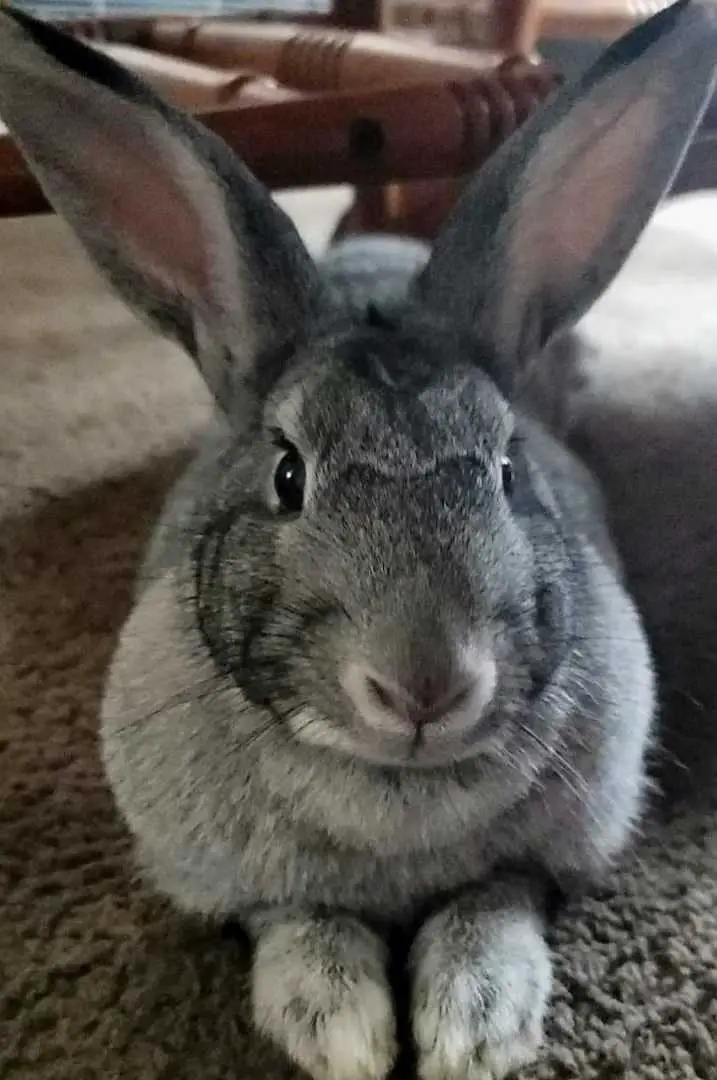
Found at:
<point>206,558</point>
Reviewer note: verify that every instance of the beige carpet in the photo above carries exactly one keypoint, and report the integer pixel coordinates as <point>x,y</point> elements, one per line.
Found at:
<point>98,979</point>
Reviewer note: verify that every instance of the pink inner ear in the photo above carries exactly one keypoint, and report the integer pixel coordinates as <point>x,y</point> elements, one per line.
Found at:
<point>597,186</point>
<point>130,184</point>
<point>575,191</point>
<point>577,188</point>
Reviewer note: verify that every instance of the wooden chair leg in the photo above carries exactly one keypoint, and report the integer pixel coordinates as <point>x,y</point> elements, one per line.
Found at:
<point>515,26</point>
<point>418,209</point>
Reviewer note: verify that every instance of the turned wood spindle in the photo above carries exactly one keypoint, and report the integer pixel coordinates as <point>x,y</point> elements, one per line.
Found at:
<point>314,60</point>
<point>196,87</point>
<point>369,138</point>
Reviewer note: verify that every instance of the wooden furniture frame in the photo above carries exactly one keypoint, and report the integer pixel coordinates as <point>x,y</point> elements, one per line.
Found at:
<point>294,100</point>
<point>307,103</point>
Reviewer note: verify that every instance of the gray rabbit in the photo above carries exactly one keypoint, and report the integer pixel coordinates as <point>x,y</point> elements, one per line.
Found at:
<point>382,670</point>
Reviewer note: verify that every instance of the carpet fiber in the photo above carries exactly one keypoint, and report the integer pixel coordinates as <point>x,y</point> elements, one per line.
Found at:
<point>98,978</point>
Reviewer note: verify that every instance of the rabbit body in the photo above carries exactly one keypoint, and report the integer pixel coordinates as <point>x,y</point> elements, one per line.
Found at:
<point>231,815</point>
<point>237,814</point>
<point>643,419</point>
<point>382,669</point>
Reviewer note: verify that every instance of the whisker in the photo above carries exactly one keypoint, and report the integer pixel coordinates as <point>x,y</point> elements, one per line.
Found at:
<point>573,779</point>
<point>187,696</point>
<point>507,757</point>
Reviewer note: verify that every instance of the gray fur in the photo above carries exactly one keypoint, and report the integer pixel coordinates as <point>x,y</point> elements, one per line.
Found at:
<point>481,970</point>
<point>645,421</point>
<point>258,783</point>
<point>372,268</point>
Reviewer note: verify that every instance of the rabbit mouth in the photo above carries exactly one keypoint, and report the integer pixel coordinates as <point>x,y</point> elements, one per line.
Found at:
<point>417,749</point>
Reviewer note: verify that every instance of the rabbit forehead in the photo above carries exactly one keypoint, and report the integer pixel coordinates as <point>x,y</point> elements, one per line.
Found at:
<point>392,397</point>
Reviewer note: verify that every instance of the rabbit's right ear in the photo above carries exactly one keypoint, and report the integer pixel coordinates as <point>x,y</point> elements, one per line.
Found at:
<point>182,229</point>
<point>550,219</point>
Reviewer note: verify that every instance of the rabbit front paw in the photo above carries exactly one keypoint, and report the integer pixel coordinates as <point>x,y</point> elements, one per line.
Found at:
<point>480,992</point>
<point>320,992</point>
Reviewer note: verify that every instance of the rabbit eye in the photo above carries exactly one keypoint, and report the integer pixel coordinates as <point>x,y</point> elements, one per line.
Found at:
<point>506,473</point>
<point>289,480</point>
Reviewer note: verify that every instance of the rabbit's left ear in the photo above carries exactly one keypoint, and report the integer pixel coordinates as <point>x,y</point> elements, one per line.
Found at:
<point>550,219</point>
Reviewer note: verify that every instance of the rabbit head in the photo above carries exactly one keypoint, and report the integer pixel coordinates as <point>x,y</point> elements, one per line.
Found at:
<point>391,559</point>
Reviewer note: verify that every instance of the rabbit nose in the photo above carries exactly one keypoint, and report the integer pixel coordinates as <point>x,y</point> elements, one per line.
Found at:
<point>455,694</point>
<point>418,705</point>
